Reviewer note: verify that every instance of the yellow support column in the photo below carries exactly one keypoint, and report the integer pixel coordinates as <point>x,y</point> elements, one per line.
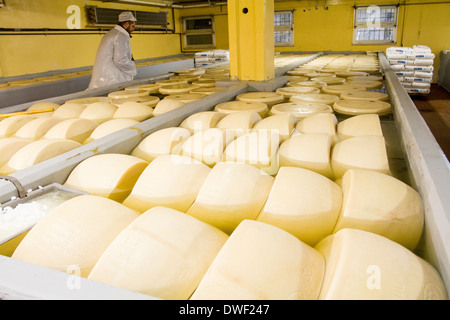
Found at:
<point>251,39</point>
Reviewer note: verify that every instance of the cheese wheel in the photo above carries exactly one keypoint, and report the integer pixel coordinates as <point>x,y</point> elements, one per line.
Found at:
<point>109,127</point>
<point>87,101</point>
<point>73,236</point>
<point>176,88</point>
<point>364,95</point>
<point>10,125</point>
<point>381,204</point>
<point>304,203</point>
<point>204,83</point>
<point>329,80</point>
<point>282,124</point>
<point>262,262</point>
<point>321,98</point>
<point>163,253</point>
<point>162,142</point>
<point>202,121</point>
<point>36,128</point>
<point>150,101</point>
<point>187,77</point>
<point>125,94</point>
<point>267,97</point>
<point>73,129</point>
<point>356,107</point>
<point>300,109</point>
<point>207,145</point>
<point>169,82</point>
<point>361,125</point>
<point>346,74</point>
<point>362,152</point>
<point>9,146</point>
<point>288,92</point>
<point>108,175</point>
<point>309,83</point>
<point>309,151</point>
<point>37,151</point>
<point>367,77</point>
<point>365,266</point>
<point>231,193</point>
<point>133,110</point>
<point>237,106</point>
<point>338,89</point>
<point>207,90</point>
<point>257,148</point>
<point>367,84</point>
<point>166,105</point>
<point>43,105</point>
<point>186,97</point>
<point>99,112</point>
<point>238,123</point>
<point>318,123</point>
<point>149,87</point>
<point>69,110</point>
<point>172,181</point>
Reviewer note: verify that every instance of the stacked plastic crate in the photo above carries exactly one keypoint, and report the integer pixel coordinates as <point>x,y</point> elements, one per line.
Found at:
<point>413,66</point>
<point>206,58</point>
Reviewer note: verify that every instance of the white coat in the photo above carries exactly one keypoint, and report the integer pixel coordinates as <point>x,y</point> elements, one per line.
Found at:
<point>113,62</point>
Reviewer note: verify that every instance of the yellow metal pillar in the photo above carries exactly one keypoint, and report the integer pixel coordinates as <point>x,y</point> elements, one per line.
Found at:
<point>251,39</point>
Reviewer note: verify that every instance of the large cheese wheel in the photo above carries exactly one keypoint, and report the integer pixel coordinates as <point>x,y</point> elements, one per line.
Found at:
<point>43,105</point>
<point>207,145</point>
<point>186,97</point>
<point>109,127</point>
<point>364,95</point>
<point>161,142</point>
<point>381,204</point>
<point>172,181</point>
<point>170,82</point>
<point>176,88</point>
<point>300,109</point>
<point>36,128</point>
<point>237,106</point>
<point>150,101</point>
<point>69,110</point>
<point>318,123</point>
<point>238,123</point>
<point>304,203</point>
<point>231,193</point>
<point>99,112</point>
<point>87,100</point>
<point>338,89</point>
<point>166,105</point>
<point>310,151</point>
<point>283,124</point>
<point>73,236</point>
<point>267,97</point>
<point>367,84</point>
<point>333,80</point>
<point>10,125</point>
<point>258,148</point>
<point>163,253</point>
<point>149,87</point>
<point>9,146</point>
<point>356,107</point>
<point>36,152</point>
<point>126,94</point>
<point>321,98</point>
<point>361,125</point>
<point>108,175</point>
<point>306,83</point>
<point>74,129</point>
<point>263,262</point>
<point>362,152</point>
<point>133,110</point>
<point>207,90</point>
<point>288,92</point>
<point>365,266</point>
<point>202,120</point>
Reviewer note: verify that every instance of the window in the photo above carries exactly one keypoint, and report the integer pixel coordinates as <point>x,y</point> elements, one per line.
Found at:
<point>284,28</point>
<point>198,32</point>
<point>375,25</point>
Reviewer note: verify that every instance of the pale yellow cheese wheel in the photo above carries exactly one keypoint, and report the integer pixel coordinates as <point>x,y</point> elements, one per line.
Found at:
<point>187,77</point>
<point>99,112</point>
<point>346,74</point>
<point>237,106</point>
<point>69,110</point>
<point>329,80</point>
<point>367,84</point>
<point>258,148</point>
<point>309,83</point>
<point>267,97</point>
<point>381,204</point>
<point>283,124</point>
<point>338,89</point>
<point>37,128</point>
<point>318,123</point>
<point>202,120</point>
<point>262,262</point>
<point>163,253</point>
<point>88,100</point>
<point>321,98</point>
<point>361,152</point>
<point>109,127</point>
<point>133,110</point>
<point>108,175</point>
<point>310,151</point>
<point>72,237</point>
<point>207,145</point>
<point>9,146</point>
<point>304,203</point>
<point>186,97</point>
<point>43,105</point>
<point>231,193</point>
<point>149,87</point>
<point>239,122</point>
<point>206,90</point>
<point>166,105</point>
<point>172,181</point>
<point>300,109</point>
<point>176,88</point>
<point>37,151</point>
<point>360,125</point>
<point>125,94</point>
<point>288,92</point>
<point>356,107</point>
<point>169,82</point>
<point>364,95</point>
<point>366,78</point>
<point>361,265</point>
<point>150,101</point>
<point>162,142</point>
<point>10,125</point>
<point>204,83</point>
<point>73,129</point>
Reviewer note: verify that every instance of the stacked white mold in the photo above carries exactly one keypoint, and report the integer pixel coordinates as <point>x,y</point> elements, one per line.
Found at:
<point>413,66</point>
<point>207,58</point>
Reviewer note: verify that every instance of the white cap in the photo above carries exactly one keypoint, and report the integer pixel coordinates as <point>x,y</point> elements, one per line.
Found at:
<point>126,16</point>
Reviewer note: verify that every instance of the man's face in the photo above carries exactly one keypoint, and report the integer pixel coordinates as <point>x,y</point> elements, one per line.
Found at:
<point>129,26</point>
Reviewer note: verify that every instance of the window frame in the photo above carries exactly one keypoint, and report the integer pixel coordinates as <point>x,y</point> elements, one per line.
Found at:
<point>199,32</point>
<point>289,28</point>
<point>382,24</point>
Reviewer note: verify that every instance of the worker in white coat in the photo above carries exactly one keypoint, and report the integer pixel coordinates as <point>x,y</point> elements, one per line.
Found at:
<point>114,62</point>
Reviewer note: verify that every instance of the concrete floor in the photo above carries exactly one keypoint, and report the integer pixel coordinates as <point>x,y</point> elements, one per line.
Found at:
<point>435,110</point>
